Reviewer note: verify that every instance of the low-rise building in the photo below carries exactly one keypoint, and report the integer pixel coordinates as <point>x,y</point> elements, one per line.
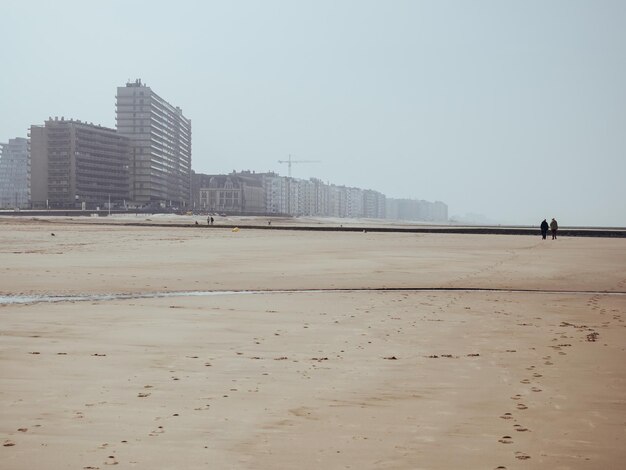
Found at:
<point>234,194</point>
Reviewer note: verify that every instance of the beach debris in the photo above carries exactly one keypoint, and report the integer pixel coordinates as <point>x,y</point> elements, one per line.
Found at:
<point>433,356</point>
<point>53,235</point>
<point>34,352</point>
<point>143,394</point>
<point>98,355</point>
<point>319,359</point>
<point>592,337</point>
<point>391,358</point>
<point>473,355</point>
<point>282,358</point>
<point>235,229</point>
<point>22,429</point>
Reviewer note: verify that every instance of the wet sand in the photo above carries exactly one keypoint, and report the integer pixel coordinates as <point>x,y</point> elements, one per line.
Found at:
<point>349,379</point>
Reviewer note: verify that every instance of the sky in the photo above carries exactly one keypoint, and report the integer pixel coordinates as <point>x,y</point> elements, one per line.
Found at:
<point>514,110</point>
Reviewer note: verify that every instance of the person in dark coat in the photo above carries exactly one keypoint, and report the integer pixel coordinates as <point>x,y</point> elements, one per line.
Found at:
<point>554,226</point>
<point>544,229</point>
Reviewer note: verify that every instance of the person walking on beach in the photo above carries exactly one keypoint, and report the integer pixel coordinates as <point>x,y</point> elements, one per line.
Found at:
<point>212,220</point>
<point>208,220</point>
<point>544,229</point>
<point>554,226</point>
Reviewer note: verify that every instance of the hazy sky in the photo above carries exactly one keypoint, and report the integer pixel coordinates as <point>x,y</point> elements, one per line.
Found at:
<point>514,110</point>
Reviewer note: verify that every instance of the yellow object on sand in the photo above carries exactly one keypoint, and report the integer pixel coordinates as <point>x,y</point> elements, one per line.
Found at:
<point>236,229</point>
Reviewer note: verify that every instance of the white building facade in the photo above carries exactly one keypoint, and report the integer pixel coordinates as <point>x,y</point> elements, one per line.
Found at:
<point>161,146</point>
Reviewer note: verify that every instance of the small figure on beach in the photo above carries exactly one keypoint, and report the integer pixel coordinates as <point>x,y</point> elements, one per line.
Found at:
<point>544,229</point>
<point>269,222</point>
<point>208,220</point>
<point>212,220</point>
<point>554,226</point>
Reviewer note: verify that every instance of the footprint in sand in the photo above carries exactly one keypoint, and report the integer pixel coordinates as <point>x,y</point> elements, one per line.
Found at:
<point>516,397</point>
<point>157,431</point>
<point>525,381</point>
<point>507,416</point>
<point>521,456</point>
<point>521,406</point>
<point>520,428</point>
<point>537,375</point>
<point>506,440</point>
<point>536,389</point>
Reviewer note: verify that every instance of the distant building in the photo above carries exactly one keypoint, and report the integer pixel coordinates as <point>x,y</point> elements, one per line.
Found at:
<point>269,193</point>
<point>373,204</point>
<point>418,210</point>
<point>237,193</point>
<point>198,181</point>
<point>14,174</point>
<point>74,164</point>
<point>160,136</point>
<point>277,194</point>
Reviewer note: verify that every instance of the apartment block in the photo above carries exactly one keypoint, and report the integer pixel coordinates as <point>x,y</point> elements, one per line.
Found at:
<point>75,164</point>
<point>160,136</point>
<point>14,174</point>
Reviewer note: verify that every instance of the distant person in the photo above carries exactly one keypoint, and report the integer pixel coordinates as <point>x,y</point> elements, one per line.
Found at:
<point>269,222</point>
<point>544,229</point>
<point>212,220</point>
<point>208,220</point>
<point>554,226</point>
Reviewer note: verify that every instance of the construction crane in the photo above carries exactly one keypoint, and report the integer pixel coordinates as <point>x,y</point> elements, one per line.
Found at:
<point>290,161</point>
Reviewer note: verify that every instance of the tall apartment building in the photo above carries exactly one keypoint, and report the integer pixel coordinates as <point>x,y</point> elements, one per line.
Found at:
<point>161,146</point>
<point>14,174</point>
<point>76,164</point>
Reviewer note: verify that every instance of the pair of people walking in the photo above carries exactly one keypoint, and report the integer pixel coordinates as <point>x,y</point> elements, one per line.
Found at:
<point>554,226</point>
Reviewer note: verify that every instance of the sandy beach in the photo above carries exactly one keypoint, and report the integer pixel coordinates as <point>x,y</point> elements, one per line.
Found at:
<point>336,373</point>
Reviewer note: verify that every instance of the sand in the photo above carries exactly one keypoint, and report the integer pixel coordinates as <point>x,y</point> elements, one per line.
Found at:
<point>351,378</point>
